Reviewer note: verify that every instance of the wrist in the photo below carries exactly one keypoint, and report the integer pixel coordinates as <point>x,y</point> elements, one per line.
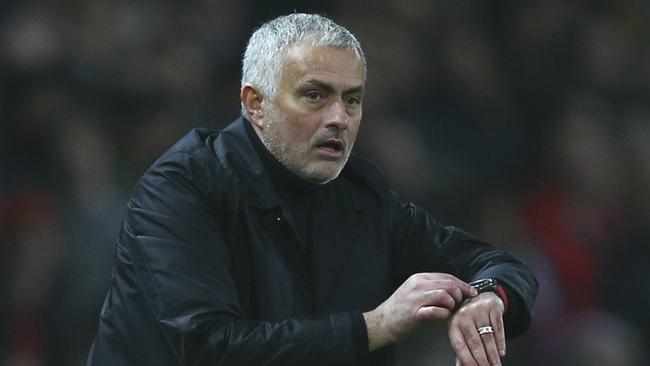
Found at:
<point>492,285</point>
<point>378,334</point>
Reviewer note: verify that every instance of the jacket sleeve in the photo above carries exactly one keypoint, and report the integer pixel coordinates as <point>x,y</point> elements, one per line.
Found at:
<point>420,243</point>
<point>183,266</point>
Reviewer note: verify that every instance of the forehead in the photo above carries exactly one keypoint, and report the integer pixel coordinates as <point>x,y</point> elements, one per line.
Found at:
<point>336,66</point>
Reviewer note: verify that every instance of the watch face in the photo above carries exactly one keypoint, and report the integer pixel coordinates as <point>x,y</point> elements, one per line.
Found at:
<point>484,285</point>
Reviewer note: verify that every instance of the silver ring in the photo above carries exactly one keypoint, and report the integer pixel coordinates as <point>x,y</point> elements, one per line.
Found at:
<point>485,330</point>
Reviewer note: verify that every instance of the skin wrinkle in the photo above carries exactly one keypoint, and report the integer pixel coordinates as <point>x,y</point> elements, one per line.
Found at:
<point>293,126</point>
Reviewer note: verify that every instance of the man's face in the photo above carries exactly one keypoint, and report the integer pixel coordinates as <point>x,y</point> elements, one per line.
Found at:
<point>312,123</point>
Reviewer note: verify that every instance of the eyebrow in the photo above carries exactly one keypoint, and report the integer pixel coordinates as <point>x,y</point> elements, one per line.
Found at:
<point>328,88</point>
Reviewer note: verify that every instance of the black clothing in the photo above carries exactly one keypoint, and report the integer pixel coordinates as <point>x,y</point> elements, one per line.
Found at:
<point>296,193</point>
<point>209,272</point>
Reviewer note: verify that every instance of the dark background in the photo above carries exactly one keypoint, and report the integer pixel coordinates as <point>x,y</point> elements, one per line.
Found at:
<point>526,123</point>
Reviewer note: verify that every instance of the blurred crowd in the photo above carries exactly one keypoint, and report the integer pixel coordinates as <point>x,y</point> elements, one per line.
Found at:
<point>526,123</point>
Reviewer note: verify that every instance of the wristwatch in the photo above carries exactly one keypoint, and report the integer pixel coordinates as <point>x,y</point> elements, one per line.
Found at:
<point>485,285</point>
<point>491,285</point>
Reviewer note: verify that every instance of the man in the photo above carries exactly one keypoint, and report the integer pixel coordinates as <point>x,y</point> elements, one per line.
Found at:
<point>264,245</point>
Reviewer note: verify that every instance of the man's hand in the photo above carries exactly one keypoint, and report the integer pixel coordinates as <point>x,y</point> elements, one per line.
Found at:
<point>471,348</point>
<point>423,296</point>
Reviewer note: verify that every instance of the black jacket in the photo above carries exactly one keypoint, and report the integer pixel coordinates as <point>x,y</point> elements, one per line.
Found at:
<point>206,271</point>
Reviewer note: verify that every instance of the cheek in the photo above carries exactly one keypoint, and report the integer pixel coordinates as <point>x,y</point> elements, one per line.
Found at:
<point>305,128</point>
<point>354,128</point>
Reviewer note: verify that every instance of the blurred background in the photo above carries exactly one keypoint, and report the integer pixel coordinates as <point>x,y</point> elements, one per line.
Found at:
<point>526,123</point>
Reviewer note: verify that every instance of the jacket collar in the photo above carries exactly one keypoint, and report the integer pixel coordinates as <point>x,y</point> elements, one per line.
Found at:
<point>236,152</point>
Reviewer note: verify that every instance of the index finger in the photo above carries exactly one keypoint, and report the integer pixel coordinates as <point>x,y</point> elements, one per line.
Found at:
<point>468,290</point>
<point>465,288</point>
<point>460,347</point>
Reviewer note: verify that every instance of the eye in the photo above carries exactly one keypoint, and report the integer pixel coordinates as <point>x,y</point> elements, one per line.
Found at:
<point>313,96</point>
<point>353,100</point>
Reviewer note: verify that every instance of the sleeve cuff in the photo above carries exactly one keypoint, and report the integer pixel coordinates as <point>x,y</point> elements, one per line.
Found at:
<point>360,338</point>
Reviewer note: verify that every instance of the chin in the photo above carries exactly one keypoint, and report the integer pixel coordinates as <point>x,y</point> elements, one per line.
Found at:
<point>320,172</point>
<point>321,177</point>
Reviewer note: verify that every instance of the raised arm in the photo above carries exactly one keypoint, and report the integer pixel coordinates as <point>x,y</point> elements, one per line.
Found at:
<point>434,263</point>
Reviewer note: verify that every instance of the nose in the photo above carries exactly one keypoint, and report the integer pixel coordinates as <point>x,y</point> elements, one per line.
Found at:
<point>336,115</point>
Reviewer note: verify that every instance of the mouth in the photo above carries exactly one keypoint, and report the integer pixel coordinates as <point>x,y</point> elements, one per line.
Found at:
<point>332,148</point>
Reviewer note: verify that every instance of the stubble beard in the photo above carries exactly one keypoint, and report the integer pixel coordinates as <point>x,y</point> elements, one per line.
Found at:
<point>290,155</point>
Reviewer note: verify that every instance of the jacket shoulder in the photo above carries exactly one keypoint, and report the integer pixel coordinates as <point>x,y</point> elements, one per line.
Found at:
<point>188,166</point>
<point>194,144</point>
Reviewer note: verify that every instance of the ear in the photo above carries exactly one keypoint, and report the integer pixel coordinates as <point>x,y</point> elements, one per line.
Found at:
<point>251,97</point>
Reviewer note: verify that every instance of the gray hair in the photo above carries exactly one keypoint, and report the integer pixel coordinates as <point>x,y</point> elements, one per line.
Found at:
<point>266,52</point>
